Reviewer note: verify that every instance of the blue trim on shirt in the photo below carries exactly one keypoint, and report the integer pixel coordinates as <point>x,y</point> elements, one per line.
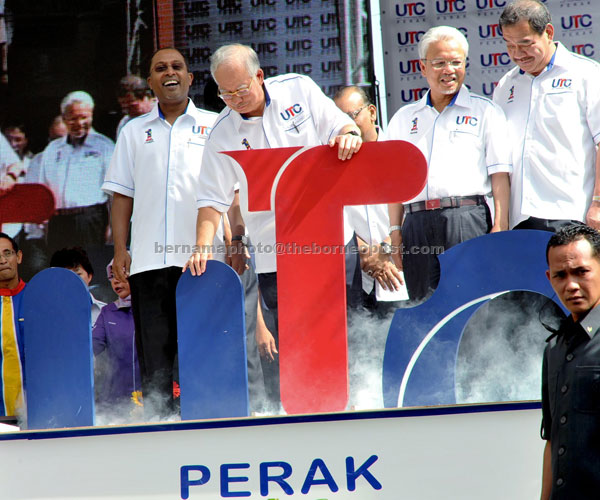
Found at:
<point>117,184</point>
<point>218,122</point>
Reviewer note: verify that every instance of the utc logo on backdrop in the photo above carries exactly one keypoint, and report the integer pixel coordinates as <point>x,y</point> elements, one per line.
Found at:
<point>576,22</point>
<point>411,9</point>
<point>449,6</point>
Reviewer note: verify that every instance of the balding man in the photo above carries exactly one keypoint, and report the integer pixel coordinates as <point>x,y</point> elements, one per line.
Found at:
<point>73,167</point>
<point>370,223</point>
<point>258,117</point>
<point>552,104</point>
<point>153,178</point>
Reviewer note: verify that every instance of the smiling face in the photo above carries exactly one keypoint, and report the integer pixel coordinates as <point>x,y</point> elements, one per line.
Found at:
<point>9,262</point>
<point>529,50</point>
<point>17,139</point>
<point>444,82</point>
<point>574,274</point>
<point>78,120</point>
<point>232,76</point>
<point>169,77</point>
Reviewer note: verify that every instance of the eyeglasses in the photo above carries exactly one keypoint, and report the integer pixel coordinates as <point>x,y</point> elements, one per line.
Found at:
<point>7,254</point>
<point>441,63</point>
<point>354,114</point>
<point>227,96</point>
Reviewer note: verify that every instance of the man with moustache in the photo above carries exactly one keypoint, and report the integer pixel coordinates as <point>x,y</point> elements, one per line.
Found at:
<point>552,104</point>
<point>257,116</point>
<point>463,136</point>
<point>571,369</point>
<point>11,327</point>
<point>153,178</point>
<point>73,167</point>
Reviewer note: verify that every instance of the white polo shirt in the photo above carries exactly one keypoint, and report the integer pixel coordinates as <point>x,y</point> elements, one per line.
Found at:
<point>297,113</point>
<point>75,174</point>
<point>554,122</point>
<point>158,165</point>
<point>463,145</point>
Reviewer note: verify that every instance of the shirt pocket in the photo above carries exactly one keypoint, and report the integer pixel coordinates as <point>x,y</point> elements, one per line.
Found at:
<point>586,389</point>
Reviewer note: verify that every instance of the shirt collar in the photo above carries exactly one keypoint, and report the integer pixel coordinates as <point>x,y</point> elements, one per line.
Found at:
<point>591,322</point>
<point>461,98</point>
<point>11,292</point>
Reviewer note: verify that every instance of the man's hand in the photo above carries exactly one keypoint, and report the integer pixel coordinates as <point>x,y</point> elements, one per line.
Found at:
<point>592,217</point>
<point>265,342</point>
<point>238,257</point>
<point>121,264</point>
<point>348,144</point>
<point>379,265</point>
<point>197,262</point>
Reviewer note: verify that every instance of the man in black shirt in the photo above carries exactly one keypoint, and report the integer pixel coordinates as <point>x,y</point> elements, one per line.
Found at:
<point>571,369</point>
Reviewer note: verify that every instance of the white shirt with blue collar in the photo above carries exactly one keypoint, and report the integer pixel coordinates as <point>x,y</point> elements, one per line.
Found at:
<point>554,123</point>
<point>296,113</point>
<point>75,174</point>
<point>464,144</point>
<point>158,165</point>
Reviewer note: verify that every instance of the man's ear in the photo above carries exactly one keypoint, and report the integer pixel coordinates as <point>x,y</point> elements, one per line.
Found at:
<point>548,274</point>
<point>19,257</point>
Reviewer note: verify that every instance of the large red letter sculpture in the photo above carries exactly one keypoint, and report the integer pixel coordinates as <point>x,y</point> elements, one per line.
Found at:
<point>309,195</point>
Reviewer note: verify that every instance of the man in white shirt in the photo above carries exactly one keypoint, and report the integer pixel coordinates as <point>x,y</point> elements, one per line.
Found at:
<point>287,110</point>
<point>552,104</point>
<point>370,223</point>
<point>153,176</point>
<point>463,137</point>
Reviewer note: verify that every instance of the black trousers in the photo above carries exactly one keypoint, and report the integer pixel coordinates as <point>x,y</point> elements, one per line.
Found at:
<point>551,225</point>
<point>155,318</point>
<point>427,233</point>
<point>85,229</point>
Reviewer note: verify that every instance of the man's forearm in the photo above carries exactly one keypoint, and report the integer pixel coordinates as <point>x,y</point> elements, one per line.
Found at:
<point>206,226</point>
<point>121,210</point>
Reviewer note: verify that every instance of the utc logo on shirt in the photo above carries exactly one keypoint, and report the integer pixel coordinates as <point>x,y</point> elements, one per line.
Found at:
<point>414,128</point>
<point>203,130</point>
<point>561,83</point>
<point>466,120</point>
<point>148,135</point>
<point>292,111</point>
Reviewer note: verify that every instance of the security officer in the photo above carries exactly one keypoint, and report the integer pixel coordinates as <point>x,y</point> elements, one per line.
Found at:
<point>570,396</point>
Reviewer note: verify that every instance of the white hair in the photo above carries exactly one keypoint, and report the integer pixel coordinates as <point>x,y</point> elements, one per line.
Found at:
<point>78,96</point>
<point>243,53</point>
<point>442,33</point>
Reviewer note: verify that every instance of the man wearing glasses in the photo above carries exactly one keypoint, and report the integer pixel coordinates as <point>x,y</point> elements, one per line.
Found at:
<point>552,104</point>
<point>287,110</point>
<point>370,223</point>
<point>463,137</point>
<point>153,177</point>
<point>11,327</point>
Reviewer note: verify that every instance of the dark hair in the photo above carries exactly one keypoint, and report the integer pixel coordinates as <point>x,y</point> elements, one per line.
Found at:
<point>187,66</point>
<point>14,124</point>
<point>353,88</point>
<point>575,232</point>
<point>533,11</point>
<point>12,241</point>
<point>70,258</point>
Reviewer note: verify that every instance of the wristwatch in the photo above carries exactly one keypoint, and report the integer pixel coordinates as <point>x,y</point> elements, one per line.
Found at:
<point>352,132</point>
<point>386,248</point>
<point>242,238</point>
